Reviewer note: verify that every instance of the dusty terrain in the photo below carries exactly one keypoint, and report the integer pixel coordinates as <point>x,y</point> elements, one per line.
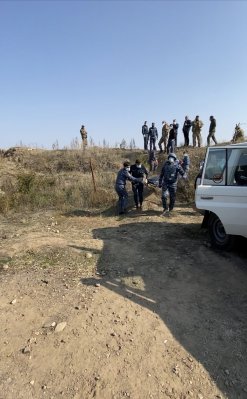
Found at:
<point>151,310</point>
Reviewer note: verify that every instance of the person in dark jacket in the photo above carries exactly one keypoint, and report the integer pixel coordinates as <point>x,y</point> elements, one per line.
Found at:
<point>139,171</point>
<point>212,128</point>
<point>153,136</point>
<point>175,127</point>
<point>168,182</point>
<point>145,135</point>
<point>186,130</point>
<point>171,140</point>
<point>122,177</point>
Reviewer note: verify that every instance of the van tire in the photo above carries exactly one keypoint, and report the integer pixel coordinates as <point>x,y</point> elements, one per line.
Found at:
<point>219,238</point>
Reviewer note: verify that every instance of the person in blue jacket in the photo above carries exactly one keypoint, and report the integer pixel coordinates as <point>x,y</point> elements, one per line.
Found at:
<point>138,170</point>
<point>122,177</point>
<point>168,182</point>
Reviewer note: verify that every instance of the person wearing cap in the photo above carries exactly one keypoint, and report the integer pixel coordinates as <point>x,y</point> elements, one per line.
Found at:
<point>212,129</point>
<point>196,131</point>
<point>168,182</point>
<point>164,136</point>
<point>186,130</point>
<point>138,170</point>
<point>152,136</point>
<point>122,177</point>
<point>145,135</point>
<point>83,133</point>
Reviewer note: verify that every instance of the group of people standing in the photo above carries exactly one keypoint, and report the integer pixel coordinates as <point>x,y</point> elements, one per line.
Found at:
<point>170,132</point>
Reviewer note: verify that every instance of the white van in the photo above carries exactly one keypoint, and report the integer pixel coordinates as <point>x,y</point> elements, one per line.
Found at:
<point>221,193</point>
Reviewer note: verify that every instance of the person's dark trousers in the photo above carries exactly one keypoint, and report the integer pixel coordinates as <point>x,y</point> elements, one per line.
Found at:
<point>171,146</point>
<point>123,198</point>
<point>186,139</point>
<point>145,142</point>
<point>171,192</point>
<point>152,144</point>
<point>138,193</point>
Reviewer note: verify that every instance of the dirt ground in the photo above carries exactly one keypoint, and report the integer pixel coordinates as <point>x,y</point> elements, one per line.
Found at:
<point>151,310</point>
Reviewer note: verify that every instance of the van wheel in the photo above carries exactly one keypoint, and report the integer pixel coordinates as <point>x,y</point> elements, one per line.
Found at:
<point>218,236</point>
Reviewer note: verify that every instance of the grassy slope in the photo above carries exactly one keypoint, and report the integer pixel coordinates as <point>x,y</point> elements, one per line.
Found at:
<point>62,179</point>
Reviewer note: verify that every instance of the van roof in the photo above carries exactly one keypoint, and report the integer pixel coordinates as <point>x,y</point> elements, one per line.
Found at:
<point>239,145</point>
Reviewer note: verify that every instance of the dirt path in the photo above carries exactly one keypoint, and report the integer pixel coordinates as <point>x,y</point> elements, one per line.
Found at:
<point>150,310</point>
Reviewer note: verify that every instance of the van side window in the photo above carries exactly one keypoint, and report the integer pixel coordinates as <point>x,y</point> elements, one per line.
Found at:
<point>215,168</point>
<point>237,168</point>
<point>240,175</point>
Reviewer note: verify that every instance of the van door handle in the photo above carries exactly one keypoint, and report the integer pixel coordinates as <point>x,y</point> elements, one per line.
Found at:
<point>207,198</point>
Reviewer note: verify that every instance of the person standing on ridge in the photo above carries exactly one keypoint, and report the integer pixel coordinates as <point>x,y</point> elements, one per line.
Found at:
<point>175,127</point>
<point>212,129</point>
<point>164,136</point>
<point>83,137</point>
<point>145,135</point>
<point>196,130</point>
<point>186,130</point>
<point>153,136</point>
<point>138,170</point>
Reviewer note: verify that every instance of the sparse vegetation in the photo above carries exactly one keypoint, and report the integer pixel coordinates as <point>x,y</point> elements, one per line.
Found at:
<point>62,179</point>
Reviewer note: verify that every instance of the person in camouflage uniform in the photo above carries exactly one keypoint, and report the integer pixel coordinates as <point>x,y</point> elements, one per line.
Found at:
<point>238,136</point>
<point>164,136</point>
<point>83,137</point>
<point>196,131</point>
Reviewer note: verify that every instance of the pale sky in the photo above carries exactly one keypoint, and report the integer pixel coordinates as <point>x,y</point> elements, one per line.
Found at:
<point>110,65</point>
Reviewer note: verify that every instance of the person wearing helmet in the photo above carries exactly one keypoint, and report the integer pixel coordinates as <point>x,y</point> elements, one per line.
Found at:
<point>122,177</point>
<point>168,182</point>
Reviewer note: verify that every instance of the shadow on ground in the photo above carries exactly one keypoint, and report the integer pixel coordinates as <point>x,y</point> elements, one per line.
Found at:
<point>198,293</point>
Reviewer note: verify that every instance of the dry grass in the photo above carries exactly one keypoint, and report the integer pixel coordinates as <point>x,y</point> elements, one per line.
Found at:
<point>62,179</point>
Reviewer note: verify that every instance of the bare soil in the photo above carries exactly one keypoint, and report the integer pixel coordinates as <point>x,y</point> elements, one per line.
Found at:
<point>151,310</point>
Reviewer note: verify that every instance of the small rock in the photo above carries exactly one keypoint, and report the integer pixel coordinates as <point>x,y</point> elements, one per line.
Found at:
<point>227,372</point>
<point>78,307</point>
<point>57,231</point>
<point>97,285</point>
<point>60,326</point>
<point>32,382</point>
<point>5,267</point>
<point>200,396</point>
<point>13,302</point>
<point>26,350</point>
<point>89,255</point>
<point>48,325</point>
